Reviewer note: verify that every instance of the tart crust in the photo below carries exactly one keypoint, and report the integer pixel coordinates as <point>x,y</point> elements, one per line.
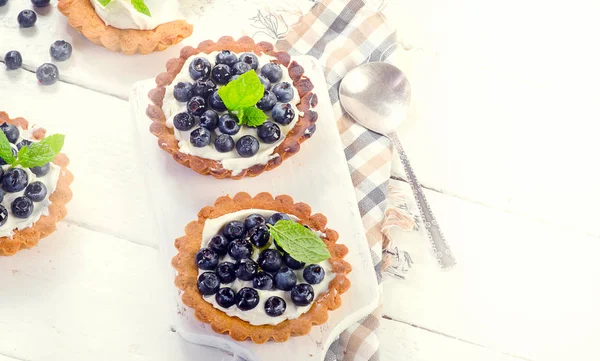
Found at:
<point>290,146</point>
<point>238,329</point>
<point>29,237</point>
<point>82,16</point>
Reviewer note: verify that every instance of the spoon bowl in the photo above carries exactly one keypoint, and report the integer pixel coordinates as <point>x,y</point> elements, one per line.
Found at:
<point>376,95</point>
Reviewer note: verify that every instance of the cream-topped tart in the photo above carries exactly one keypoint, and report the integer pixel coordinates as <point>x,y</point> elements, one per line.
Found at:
<point>260,267</point>
<point>34,184</point>
<point>128,26</point>
<point>122,14</point>
<point>232,109</point>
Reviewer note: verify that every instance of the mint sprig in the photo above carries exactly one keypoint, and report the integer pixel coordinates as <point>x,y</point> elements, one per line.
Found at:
<point>300,242</point>
<point>241,95</point>
<point>138,5</point>
<point>34,155</point>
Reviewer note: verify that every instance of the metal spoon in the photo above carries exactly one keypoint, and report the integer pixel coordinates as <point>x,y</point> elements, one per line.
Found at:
<point>377,96</point>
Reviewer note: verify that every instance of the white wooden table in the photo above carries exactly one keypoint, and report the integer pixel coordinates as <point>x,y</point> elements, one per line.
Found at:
<point>526,239</point>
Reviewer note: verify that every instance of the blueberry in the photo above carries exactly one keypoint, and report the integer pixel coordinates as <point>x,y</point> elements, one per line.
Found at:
<point>302,294</point>
<point>197,106</point>
<point>272,72</point>
<point>200,68</point>
<point>219,244</point>
<point>222,73</point>
<point>275,306</point>
<point>24,143</point>
<point>246,299</point>
<point>228,124</point>
<point>276,217</point>
<point>284,91</point>
<point>40,171</point>
<point>283,113</point>
<point>291,262</point>
<point>1,195</point>
<point>209,120</point>
<point>12,133</point>
<point>240,68</point>
<point>267,102</point>
<point>247,146</point>
<point>27,18</point>
<point>13,60</point>
<point>254,220</point>
<point>61,50</point>
<point>40,3</point>
<point>269,132</point>
<point>14,180</point>
<point>207,259</point>
<point>224,143</point>
<point>47,74</point>
<point>216,102</point>
<point>226,57</point>
<point>3,214</point>
<point>239,249</point>
<point>234,230</point>
<point>22,207</point>
<point>204,87</point>
<point>313,274</point>
<point>263,281</point>
<point>226,272</point>
<point>3,2</point>
<point>208,283</point>
<point>225,297</point>
<point>36,191</point>
<point>183,91</point>
<point>184,121</point>
<point>245,269</point>
<point>265,82</point>
<point>200,137</point>
<point>259,235</point>
<point>270,260</point>
<point>249,59</point>
<point>285,279</point>
<point>3,162</point>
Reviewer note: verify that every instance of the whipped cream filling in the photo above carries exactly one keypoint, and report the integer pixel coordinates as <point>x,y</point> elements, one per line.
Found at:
<point>50,180</point>
<point>230,160</point>
<point>122,15</point>
<point>258,316</point>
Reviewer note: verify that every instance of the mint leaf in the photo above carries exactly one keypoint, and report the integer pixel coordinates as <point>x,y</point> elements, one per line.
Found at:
<point>300,242</point>
<point>42,152</point>
<point>6,152</point>
<point>104,2</point>
<point>242,92</point>
<point>141,7</point>
<point>253,117</point>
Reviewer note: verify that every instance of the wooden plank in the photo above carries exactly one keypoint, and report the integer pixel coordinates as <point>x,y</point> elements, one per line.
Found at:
<point>521,287</point>
<point>109,190</point>
<point>400,341</point>
<point>84,295</point>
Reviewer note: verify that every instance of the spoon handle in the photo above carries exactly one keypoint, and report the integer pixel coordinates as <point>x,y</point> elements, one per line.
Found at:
<point>436,237</point>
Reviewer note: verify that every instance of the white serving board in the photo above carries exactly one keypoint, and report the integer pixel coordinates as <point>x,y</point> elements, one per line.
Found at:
<point>317,175</point>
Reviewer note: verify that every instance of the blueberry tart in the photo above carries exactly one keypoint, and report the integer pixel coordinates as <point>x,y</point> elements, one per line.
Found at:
<point>262,100</point>
<point>152,25</point>
<point>34,184</point>
<point>276,289</point>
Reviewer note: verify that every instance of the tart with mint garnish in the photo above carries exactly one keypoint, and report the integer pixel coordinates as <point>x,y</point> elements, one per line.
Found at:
<point>128,26</point>
<point>34,184</point>
<point>232,109</point>
<point>261,268</point>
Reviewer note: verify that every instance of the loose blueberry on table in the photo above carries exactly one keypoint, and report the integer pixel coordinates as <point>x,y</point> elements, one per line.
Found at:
<point>27,18</point>
<point>13,60</point>
<point>61,50</point>
<point>234,130</point>
<point>244,262</point>
<point>47,74</point>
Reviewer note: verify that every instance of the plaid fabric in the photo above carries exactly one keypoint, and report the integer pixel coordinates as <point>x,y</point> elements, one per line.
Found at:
<point>342,35</point>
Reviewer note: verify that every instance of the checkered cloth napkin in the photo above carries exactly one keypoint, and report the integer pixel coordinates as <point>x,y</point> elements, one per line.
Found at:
<point>343,34</point>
